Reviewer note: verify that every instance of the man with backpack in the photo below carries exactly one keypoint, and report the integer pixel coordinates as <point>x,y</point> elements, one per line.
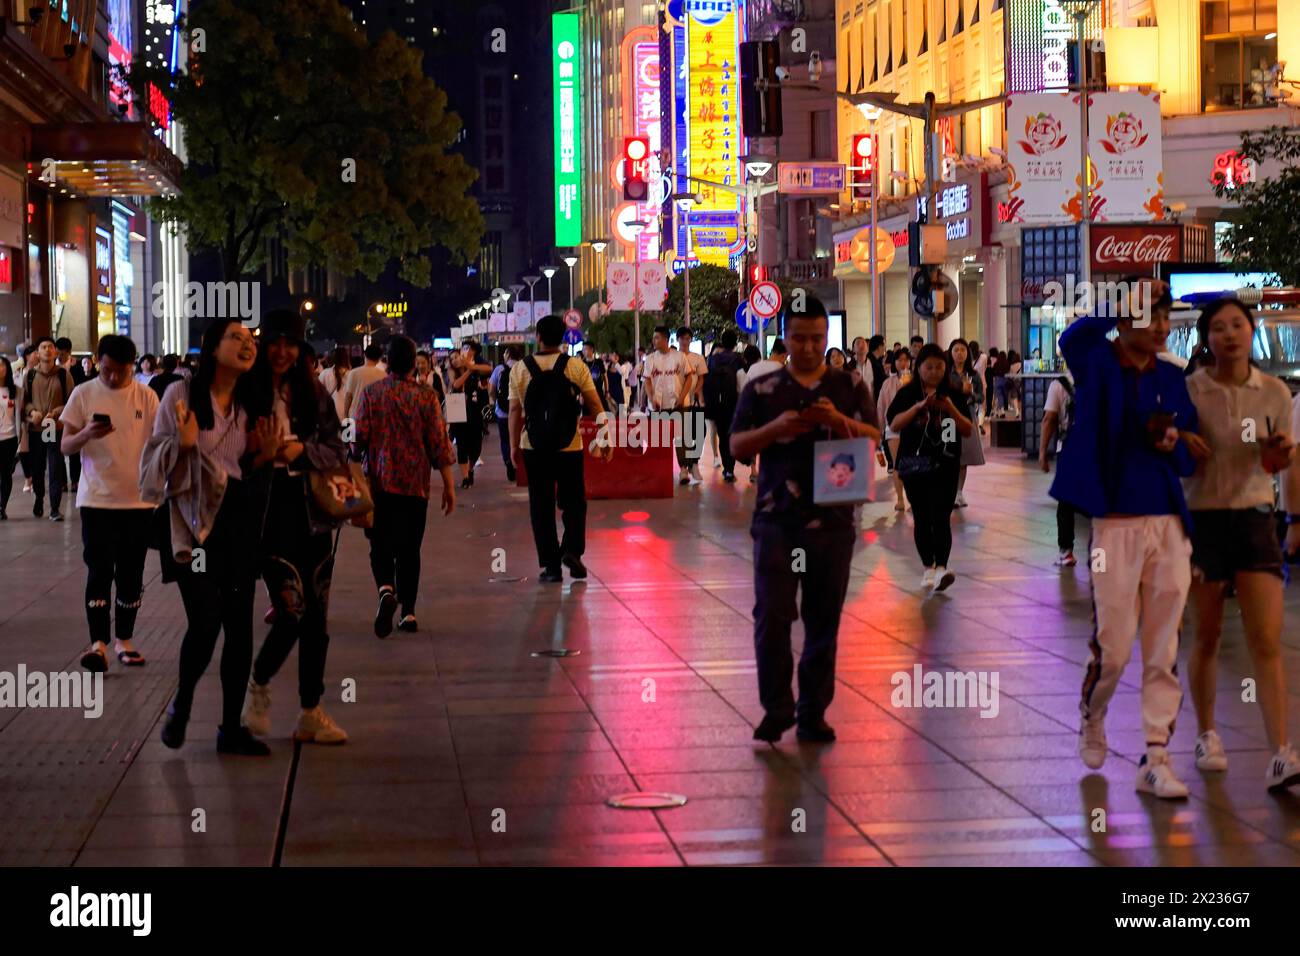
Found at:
<point>1058,416</point>
<point>499,390</point>
<point>548,393</point>
<point>721,395</point>
<point>46,390</point>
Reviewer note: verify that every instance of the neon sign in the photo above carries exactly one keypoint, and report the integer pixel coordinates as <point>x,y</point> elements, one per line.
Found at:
<point>565,44</point>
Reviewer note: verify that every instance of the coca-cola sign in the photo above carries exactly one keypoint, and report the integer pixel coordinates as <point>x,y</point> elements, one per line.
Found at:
<point>1135,249</point>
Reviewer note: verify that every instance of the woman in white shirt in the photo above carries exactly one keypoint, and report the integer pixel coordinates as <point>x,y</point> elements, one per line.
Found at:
<point>1234,540</point>
<point>332,378</point>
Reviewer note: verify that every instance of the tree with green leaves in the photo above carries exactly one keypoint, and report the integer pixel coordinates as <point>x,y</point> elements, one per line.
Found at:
<point>1265,230</point>
<point>298,128</point>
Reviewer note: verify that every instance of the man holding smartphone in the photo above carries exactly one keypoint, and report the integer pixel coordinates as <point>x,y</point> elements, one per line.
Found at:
<point>108,420</point>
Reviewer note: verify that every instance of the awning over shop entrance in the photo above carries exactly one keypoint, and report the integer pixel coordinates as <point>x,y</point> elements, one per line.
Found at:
<point>105,159</point>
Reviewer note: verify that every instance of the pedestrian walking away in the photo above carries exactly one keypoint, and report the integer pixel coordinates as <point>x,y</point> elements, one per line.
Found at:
<point>46,389</point>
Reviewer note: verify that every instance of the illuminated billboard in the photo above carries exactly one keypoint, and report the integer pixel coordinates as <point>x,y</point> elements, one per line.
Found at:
<point>565,57</point>
<point>1038,45</point>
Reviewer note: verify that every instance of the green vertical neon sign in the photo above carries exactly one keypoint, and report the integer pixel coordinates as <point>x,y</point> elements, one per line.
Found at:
<point>567,75</point>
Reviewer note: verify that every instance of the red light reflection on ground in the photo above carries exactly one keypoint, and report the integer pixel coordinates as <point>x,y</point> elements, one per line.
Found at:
<point>636,516</point>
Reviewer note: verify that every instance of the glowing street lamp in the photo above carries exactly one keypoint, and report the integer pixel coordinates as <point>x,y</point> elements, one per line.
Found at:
<point>549,272</point>
<point>570,261</point>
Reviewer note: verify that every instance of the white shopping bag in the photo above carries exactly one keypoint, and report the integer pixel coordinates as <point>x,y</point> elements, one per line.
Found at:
<point>456,411</point>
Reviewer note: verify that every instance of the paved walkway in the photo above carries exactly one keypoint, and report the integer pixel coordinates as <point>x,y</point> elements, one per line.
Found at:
<point>466,749</point>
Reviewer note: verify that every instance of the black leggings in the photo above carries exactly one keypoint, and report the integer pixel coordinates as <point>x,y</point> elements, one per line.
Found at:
<point>116,541</point>
<point>8,453</point>
<point>220,598</point>
<point>932,496</point>
<point>469,438</point>
<point>298,567</point>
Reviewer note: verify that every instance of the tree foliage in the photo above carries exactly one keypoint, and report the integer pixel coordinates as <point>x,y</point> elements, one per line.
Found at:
<point>284,97</point>
<point>1265,229</point>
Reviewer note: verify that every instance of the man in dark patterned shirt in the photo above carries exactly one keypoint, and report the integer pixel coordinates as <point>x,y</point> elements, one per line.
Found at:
<point>400,428</point>
<point>797,543</point>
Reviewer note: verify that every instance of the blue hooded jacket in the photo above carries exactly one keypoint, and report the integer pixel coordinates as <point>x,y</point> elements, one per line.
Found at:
<point>1088,473</point>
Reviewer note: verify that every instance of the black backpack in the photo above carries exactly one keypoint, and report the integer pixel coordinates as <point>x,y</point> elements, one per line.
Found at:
<point>720,382</point>
<point>552,406</point>
<point>503,388</point>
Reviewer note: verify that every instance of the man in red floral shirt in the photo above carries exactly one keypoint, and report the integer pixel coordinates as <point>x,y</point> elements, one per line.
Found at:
<point>400,428</point>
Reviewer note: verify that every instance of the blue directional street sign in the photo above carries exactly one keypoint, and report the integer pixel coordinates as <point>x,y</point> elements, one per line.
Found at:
<point>572,337</point>
<point>747,321</point>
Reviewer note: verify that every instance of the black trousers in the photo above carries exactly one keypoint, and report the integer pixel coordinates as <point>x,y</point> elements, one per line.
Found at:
<point>115,542</point>
<point>932,496</point>
<point>556,478</point>
<point>74,467</point>
<point>297,567</point>
<point>824,582</point>
<point>1064,526</point>
<point>723,425</point>
<point>219,599</point>
<point>469,438</point>
<point>8,454</point>
<point>395,543</point>
<point>43,455</point>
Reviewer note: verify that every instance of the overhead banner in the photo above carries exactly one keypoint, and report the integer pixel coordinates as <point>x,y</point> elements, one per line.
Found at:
<point>1043,142</point>
<point>565,47</point>
<point>620,282</point>
<point>652,284</point>
<point>1124,147</point>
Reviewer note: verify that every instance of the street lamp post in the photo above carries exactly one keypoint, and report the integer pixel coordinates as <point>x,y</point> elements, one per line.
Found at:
<point>570,261</point>
<point>549,272</point>
<point>598,246</point>
<point>1080,9</point>
<point>532,298</point>
<point>872,113</point>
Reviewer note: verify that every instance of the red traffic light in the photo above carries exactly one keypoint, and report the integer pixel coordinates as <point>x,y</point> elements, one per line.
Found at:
<point>636,148</point>
<point>758,273</point>
<point>863,150</point>
<point>636,168</point>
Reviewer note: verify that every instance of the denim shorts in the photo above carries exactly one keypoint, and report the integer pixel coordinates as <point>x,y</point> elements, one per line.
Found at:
<point>1227,541</point>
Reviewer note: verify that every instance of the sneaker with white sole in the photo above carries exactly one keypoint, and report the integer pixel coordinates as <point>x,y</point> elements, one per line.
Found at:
<point>1066,559</point>
<point>316,726</point>
<point>961,500</point>
<point>257,709</point>
<point>1092,742</point>
<point>1210,754</point>
<point>943,579</point>
<point>927,579</point>
<point>1156,776</point>
<point>1283,770</point>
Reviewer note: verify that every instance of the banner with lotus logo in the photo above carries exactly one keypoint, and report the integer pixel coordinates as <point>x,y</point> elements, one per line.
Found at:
<point>1043,132</point>
<point>1124,147</point>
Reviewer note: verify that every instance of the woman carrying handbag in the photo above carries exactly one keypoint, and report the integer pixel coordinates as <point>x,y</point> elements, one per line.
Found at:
<point>299,537</point>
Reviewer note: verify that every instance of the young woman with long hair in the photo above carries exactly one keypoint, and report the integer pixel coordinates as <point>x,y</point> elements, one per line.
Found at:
<point>931,425</point>
<point>969,395</point>
<point>1234,538</point>
<point>470,378</point>
<point>8,433</point>
<point>206,463</point>
<point>332,378</point>
<point>298,539</point>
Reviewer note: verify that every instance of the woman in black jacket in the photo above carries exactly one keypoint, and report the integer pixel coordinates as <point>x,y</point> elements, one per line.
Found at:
<point>931,426</point>
<point>298,540</point>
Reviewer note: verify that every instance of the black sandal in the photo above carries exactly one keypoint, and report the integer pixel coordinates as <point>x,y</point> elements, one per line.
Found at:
<point>131,658</point>
<point>95,660</point>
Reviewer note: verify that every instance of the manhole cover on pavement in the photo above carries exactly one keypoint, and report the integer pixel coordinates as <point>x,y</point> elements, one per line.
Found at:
<point>561,652</point>
<point>645,800</point>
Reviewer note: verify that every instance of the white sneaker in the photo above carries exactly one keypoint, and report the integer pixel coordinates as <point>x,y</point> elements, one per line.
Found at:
<point>943,578</point>
<point>1210,754</point>
<point>1156,776</point>
<point>1283,769</point>
<point>316,726</point>
<point>695,473</point>
<point>257,710</point>
<point>961,500</point>
<point>927,579</point>
<point>1092,742</point>
<point>1066,559</point>
<point>717,464</point>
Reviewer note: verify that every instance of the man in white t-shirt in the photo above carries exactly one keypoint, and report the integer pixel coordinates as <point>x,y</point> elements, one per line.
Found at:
<point>699,366</point>
<point>773,363</point>
<point>669,383</point>
<point>372,371</point>
<point>108,420</point>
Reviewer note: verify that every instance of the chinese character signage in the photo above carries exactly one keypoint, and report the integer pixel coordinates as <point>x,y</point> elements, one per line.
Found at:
<point>565,47</point>
<point>642,117</point>
<point>1124,149</point>
<point>1043,131</point>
